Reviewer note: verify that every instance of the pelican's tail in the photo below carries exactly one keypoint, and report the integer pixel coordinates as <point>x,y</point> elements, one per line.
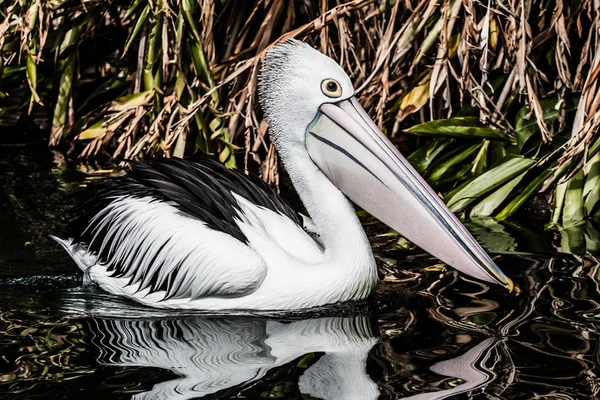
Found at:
<point>78,252</point>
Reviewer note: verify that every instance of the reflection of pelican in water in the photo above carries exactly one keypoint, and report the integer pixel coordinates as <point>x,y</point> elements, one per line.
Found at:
<point>212,355</point>
<point>215,354</point>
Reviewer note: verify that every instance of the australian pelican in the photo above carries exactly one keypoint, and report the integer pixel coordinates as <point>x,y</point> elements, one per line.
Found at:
<point>178,234</point>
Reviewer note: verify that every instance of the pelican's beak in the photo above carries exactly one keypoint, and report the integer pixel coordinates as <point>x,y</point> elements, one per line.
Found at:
<point>357,157</point>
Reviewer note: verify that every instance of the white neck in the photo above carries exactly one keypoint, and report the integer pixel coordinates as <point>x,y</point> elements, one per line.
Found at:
<point>334,216</point>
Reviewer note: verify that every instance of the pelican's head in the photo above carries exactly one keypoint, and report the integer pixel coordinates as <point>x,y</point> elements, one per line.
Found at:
<point>302,88</point>
<point>294,82</point>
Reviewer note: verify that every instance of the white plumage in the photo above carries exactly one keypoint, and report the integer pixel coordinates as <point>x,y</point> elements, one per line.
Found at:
<point>177,234</point>
<point>170,259</point>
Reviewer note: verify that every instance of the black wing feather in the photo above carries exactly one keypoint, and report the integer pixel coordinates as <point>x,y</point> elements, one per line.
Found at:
<point>199,189</point>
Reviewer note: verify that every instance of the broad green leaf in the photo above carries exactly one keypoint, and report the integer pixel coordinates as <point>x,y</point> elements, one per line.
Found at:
<point>464,127</point>
<point>64,94</point>
<point>179,86</point>
<point>224,154</point>
<point>151,72</point>
<point>70,39</point>
<point>487,181</point>
<point>229,144</point>
<point>180,145</point>
<point>559,200</point>
<point>10,70</point>
<point>591,189</point>
<point>32,77</point>
<point>480,162</point>
<point>596,216</point>
<point>592,239</point>
<point>188,14</point>
<point>202,68</point>
<point>215,126</point>
<point>573,211</point>
<point>32,15</point>
<point>488,205</point>
<point>497,152</point>
<point>132,8</point>
<point>424,155</point>
<point>107,86</point>
<point>132,101</point>
<point>141,21</point>
<point>518,201</point>
<point>455,174</point>
<point>527,127</point>
<point>453,158</point>
<point>572,240</point>
<point>594,148</point>
<point>93,131</point>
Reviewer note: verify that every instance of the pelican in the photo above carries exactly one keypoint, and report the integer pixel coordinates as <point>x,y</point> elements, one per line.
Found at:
<point>184,235</point>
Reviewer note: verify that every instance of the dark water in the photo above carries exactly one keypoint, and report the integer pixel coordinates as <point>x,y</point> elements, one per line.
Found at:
<point>428,334</point>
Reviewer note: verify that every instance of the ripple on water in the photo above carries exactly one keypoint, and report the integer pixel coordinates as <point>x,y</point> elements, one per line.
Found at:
<point>429,333</point>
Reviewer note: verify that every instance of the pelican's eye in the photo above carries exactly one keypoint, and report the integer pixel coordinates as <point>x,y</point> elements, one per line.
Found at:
<point>331,88</point>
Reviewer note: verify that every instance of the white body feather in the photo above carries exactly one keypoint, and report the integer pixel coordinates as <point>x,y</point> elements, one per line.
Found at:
<point>281,268</point>
<point>168,258</point>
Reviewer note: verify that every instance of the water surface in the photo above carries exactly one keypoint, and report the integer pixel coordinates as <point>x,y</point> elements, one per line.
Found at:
<point>430,333</point>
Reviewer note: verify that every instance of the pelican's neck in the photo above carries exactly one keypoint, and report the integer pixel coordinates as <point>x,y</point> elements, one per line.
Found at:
<point>334,216</point>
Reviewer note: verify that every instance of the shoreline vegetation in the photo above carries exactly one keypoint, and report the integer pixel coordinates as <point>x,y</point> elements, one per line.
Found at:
<point>495,103</point>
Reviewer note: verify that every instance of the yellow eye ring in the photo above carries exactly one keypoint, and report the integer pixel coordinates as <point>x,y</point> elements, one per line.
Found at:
<point>331,88</point>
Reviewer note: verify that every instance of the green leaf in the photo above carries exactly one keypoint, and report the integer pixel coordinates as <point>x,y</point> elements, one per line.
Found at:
<point>137,28</point>
<point>132,8</point>
<point>179,149</point>
<point>203,69</point>
<point>594,148</point>
<point>70,39</point>
<point>188,14</point>
<point>452,159</point>
<point>487,206</point>
<point>132,101</point>
<point>179,86</point>
<point>424,155</point>
<point>491,179</point>
<point>559,200</point>
<point>107,86</point>
<point>573,211</point>
<point>572,240</point>
<point>527,127</point>
<point>591,189</point>
<point>463,127</point>
<point>153,47</point>
<point>592,239</point>
<point>497,152</point>
<point>93,131</point>
<point>518,201</point>
<point>64,94</point>
<point>32,77</point>
<point>480,162</point>
<point>455,174</point>
<point>215,126</point>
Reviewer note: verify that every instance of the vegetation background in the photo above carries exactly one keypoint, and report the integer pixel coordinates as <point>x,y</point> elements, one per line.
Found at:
<point>493,101</point>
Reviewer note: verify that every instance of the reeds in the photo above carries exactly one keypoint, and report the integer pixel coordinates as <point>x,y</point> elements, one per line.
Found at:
<point>496,100</point>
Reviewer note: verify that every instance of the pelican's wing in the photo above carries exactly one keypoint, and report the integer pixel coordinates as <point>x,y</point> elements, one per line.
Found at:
<point>172,231</point>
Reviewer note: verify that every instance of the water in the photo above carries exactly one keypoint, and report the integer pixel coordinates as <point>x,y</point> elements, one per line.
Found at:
<point>429,333</point>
